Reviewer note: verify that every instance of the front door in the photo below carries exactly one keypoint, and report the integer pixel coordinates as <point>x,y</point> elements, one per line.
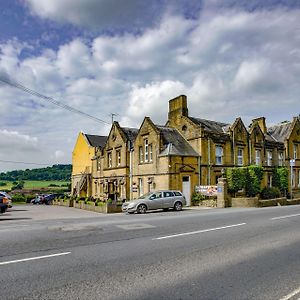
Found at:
<point>186,189</point>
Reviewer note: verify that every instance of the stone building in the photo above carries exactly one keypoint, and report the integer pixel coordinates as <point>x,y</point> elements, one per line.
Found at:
<point>186,152</point>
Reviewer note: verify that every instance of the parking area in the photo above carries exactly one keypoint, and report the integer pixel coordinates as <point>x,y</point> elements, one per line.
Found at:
<point>43,212</point>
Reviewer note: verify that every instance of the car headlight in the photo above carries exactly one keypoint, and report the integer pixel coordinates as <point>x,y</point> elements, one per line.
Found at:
<point>131,205</point>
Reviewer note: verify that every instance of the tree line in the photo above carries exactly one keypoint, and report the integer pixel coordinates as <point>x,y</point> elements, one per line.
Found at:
<point>56,172</point>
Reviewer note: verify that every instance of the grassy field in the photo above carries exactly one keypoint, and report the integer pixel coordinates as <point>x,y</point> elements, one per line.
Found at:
<point>31,184</point>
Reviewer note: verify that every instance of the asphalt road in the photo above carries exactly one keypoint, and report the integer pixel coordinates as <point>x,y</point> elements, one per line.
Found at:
<point>62,253</point>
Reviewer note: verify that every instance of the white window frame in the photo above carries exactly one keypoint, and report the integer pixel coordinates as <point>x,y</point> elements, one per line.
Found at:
<point>141,154</point>
<point>257,157</point>
<point>240,156</point>
<point>109,159</point>
<point>118,156</point>
<point>269,158</point>
<point>280,159</point>
<point>295,151</point>
<point>146,147</point>
<point>150,152</point>
<point>219,155</point>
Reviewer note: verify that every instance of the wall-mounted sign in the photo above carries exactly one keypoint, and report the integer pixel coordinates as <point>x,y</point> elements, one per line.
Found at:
<point>207,190</point>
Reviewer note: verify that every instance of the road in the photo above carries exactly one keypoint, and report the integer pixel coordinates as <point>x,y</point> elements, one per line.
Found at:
<point>64,253</point>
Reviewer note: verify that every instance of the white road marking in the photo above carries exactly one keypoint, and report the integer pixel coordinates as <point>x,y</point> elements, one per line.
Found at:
<point>198,231</point>
<point>33,258</point>
<point>292,294</point>
<point>135,226</point>
<point>284,217</point>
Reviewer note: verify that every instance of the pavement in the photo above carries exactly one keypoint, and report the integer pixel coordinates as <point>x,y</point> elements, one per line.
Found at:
<point>194,254</point>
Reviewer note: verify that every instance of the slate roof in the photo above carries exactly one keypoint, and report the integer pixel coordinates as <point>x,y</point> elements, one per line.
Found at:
<point>211,126</point>
<point>130,133</point>
<point>96,140</point>
<point>280,132</point>
<point>174,143</point>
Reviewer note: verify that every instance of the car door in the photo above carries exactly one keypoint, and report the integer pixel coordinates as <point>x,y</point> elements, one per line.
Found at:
<point>155,201</point>
<point>168,199</point>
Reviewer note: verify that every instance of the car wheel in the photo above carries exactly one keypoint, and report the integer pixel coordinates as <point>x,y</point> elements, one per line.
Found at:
<point>178,206</point>
<point>142,208</point>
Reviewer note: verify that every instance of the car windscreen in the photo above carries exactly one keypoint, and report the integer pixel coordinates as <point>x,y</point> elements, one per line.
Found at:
<point>145,196</point>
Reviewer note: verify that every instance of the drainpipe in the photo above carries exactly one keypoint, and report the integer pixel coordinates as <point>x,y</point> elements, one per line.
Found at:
<point>208,157</point>
<point>130,171</point>
<point>199,170</point>
<point>233,146</point>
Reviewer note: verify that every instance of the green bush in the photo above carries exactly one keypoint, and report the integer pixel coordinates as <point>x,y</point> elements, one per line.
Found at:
<point>281,179</point>
<point>270,193</point>
<point>197,198</point>
<point>2,183</point>
<point>99,203</point>
<point>18,198</point>
<point>244,178</point>
<point>109,201</point>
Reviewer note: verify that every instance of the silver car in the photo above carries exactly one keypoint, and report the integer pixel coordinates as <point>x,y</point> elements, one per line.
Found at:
<point>156,200</point>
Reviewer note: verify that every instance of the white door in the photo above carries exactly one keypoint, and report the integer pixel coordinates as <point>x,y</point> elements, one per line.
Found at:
<point>186,189</point>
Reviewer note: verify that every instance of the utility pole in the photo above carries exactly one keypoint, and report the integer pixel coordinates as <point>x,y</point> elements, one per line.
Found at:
<point>112,117</point>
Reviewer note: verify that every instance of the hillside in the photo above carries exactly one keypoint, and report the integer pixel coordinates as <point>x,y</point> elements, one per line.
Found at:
<point>56,172</point>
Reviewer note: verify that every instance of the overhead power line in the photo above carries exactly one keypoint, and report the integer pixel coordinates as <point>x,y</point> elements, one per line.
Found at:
<point>19,86</point>
<point>24,163</point>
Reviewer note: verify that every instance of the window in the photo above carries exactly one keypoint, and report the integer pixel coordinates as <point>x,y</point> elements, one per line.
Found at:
<point>280,159</point>
<point>295,151</point>
<point>219,155</point>
<point>299,179</point>
<point>168,194</point>
<point>240,160</point>
<point>177,194</point>
<point>269,158</point>
<point>257,157</point>
<point>150,153</point>
<point>118,158</point>
<point>146,150</point>
<point>109,159</point>
<point>141,155</point>
<point>98,164</point>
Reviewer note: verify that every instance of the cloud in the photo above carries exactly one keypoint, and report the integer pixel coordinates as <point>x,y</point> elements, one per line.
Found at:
<point>229,62</point>
<point>110,14</point>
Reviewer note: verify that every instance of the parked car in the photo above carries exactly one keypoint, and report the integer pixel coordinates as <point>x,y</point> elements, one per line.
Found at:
<point>45,199</point>
<point>3,208</point>
<point>156,200</point>
<point>5,199</point>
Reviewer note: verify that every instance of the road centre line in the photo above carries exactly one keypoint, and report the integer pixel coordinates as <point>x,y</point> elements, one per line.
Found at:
<point>284,217</point>
<point>33,258</point>
<point>198,231</point>
<point>291,295</point>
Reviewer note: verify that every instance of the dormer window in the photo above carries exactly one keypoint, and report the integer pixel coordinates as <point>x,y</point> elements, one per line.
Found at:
<point>146,145</point>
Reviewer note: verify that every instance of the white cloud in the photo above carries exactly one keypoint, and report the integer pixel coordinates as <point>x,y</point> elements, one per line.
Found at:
<point>229,63</point>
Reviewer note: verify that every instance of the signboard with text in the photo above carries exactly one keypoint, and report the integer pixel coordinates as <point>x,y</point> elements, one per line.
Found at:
<point>207,190</point>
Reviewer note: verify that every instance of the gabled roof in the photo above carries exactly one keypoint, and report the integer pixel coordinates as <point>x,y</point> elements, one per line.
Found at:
<point>174,143</point>
<point>130,133</point>
<point>96,140</point>
<point>281,131</point>
<point>211,126</point>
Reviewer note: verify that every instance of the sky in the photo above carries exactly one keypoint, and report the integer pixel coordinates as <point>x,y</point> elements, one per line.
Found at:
<point>230,58</point>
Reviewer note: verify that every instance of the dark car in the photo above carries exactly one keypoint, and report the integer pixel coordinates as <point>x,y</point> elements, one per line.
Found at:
<point>3,208</point>
<point>5,199</point>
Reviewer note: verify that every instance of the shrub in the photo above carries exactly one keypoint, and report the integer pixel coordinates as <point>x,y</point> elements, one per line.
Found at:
<point>196,198</point>
<point>244,178</point>
<point>109,201</point>
<point>280,179</point>
<point>18,198</point>
<point>99,203</point>
<point>270,193</point>
<point>2,183</point>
